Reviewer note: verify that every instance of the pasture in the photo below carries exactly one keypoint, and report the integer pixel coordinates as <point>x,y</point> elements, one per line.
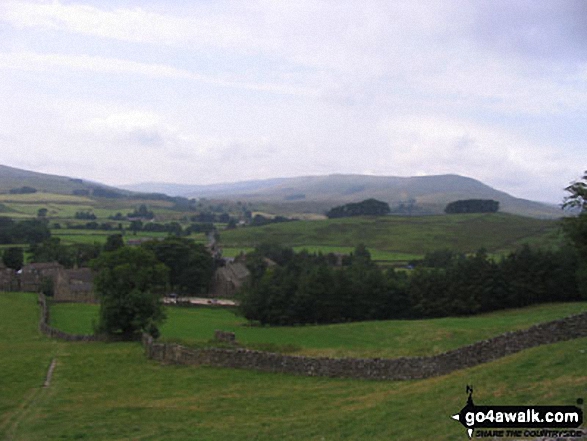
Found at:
<point>110,391</point>
<point>498,233</point>
<point>393,338</point>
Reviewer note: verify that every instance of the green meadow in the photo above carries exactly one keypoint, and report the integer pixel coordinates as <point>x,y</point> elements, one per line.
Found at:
<point>110,391</point>
<point>409,236</point>
<point>394,338</point>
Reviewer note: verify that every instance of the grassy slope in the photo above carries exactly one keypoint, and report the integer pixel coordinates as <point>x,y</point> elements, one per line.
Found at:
<point>414,235</point>
<point>110,392</point>
<point>364,339</point>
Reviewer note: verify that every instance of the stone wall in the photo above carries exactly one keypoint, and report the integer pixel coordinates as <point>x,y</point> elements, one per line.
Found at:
<point>403,368</point>
<point>49,331</point>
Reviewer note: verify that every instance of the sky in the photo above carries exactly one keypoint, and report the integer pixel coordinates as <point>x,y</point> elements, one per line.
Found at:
<point>210,91</point>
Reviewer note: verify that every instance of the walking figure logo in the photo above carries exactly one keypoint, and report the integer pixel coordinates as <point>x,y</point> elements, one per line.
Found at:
<point>469,407</point>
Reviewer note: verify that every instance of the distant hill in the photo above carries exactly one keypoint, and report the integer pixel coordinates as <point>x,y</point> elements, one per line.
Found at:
<point>12,178</point>
<point>317,194</point>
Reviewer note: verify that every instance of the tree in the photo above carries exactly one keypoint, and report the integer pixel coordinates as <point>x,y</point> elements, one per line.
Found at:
<point>13,257</point>
<point>368,207</point>
<point>578,196</point>
<point>191,266</point>
<point>52,250</point>
<point>575,228</point>
<point>130,283</point>
<point>113,242</point>
<point>472,206</point>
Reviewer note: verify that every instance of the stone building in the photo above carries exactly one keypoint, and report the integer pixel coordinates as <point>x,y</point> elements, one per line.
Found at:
<point>228,279</point>
<point>33,275</point>
<point>8,279</point>
<point>73,285</point>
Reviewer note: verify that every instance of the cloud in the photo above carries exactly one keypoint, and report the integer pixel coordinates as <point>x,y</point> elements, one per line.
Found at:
<point>533,28</point>
<point>217,91</point>
<point>30,61</point>
<point>129,25</point>
<point>491,154</point>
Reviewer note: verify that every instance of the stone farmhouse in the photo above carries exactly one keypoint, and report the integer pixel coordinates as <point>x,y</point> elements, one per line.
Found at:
<point>8,279</point>
<point>228,279</point>
<point>73,285</point>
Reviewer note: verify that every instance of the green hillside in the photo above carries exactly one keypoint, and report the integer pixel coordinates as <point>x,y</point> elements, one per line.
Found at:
<point>11,178</point>
<point>317,194</point>
<point>110,391</point>
<point>497,233</point>
<point>372,339</point>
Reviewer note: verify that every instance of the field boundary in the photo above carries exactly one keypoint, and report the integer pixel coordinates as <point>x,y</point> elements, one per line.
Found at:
<point>402,368</point>
<point>52,332</point>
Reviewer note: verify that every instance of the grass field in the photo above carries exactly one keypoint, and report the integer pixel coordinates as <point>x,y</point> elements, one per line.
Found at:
<point>377,255</point>
<point>196,326</point>
<point>103,391</point>
<point>409,235</point>
<point>72,236</point>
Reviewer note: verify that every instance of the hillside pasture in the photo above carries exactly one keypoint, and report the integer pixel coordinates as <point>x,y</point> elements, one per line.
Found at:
<point>106,391</point>
<point>412,235</point>
<point>394,338</point>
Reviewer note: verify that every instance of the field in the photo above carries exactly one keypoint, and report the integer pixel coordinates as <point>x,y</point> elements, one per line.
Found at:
<point>411,236</point>
<point>110,391</point>
<point>196,326</point>
<point>390,239</point>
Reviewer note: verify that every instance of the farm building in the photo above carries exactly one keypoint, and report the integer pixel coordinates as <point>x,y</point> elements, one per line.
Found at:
<point>73,285</point>
<point>8,279</point>
<point>228,279</point>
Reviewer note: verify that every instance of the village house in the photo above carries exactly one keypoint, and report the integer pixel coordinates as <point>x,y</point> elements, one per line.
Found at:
<point>228,279</point>
<point>75,285</point>
<point>8,279</point>
<point>68,285</point>
<point>33,275</point>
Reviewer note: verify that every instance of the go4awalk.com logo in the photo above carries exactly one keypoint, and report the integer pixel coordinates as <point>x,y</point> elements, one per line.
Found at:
<point>520,421</point>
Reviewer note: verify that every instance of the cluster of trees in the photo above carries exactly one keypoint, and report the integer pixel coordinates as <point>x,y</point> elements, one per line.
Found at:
<point>369,207</point>
<point>306,288</point>
<point>13,257</point>
<point>459,285</point>
<point>209,217</point>
<point>259,220</point>
<point>105,226</point>
<point>201,227</point>
<point>142,212</point>
<point>26,231</point>
<point>23,190</point>
<point>101,192</point>
<point>472,206</point>
<point>131,281</point>
<point>52,250</point>
<point>85,215</point>
<point>191,266</point>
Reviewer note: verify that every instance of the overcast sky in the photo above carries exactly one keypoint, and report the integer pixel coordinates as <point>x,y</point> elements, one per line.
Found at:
<point>212,91</point>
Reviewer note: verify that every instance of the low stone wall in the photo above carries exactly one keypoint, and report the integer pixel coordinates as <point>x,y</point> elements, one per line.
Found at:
<point>403,368</point>
<point>49,331</point>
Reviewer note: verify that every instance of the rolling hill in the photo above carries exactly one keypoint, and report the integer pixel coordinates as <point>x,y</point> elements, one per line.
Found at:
<point>307,194</point>
<point>12,178</point>
<point>316,194</point>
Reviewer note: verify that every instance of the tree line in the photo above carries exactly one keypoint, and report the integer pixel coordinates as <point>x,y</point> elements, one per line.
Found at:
<point>472,206</point>
<point>368,207</point>
<point>308,288</point>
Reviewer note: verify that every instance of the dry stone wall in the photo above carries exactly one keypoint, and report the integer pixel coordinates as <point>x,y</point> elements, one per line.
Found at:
<point>52,332</point>
<point>403,368</point>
